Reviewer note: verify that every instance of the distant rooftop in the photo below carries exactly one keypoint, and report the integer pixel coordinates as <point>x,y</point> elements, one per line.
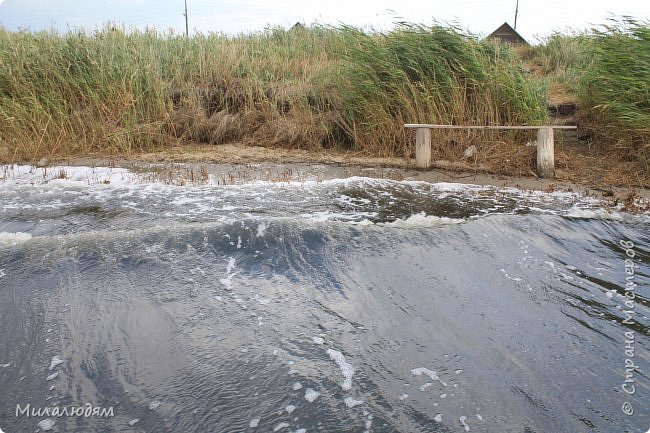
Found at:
<point>506,33</point>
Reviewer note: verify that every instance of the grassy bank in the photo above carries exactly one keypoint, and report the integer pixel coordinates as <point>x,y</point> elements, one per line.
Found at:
<point>117,92</point>
<point>607,73</point>
<point>316,87</point>
<point>616,87</point>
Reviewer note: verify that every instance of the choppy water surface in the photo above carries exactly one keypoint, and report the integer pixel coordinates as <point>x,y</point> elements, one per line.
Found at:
<point>299,304</point>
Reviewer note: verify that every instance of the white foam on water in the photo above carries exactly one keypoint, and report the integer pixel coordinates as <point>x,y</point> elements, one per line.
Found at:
<point>479,416</point>
<point>425,386</point>
<point>432,374</point>
<point>565,276</point>
<point>346,368</point>
<point>318,340</point>
<point>456,187</point>
<point>603,214</point>
<point>443,395</point>
<point>422,220</point>
<point>254,423</point>
<point>357,217</point>
<point>66,175</point>
<point>13,239</point>
<point>5,365</point>
<point>578,212</point>
<point>290,408</point>
<point>46,424</point>
<point>261,228</point>
<point>184,201</point>
<point>192,198</point>
<point>281,426</point>
<point>231,265</point>
<point>351,402</point>
<point>55,361</point>
<point>227,282</point>
<point>345,199</point>
<point>301,430</point>
<point>311,395</point>
<point>2,273</point>
<point>52,376</point>
<point>403,396</point>
<point>134,421</point>
<point>458,371</point>
<point>438,418</point>
<point>505,274</point>
<point>462,420</point>
<point>296,386</point>
<point>154,405</point>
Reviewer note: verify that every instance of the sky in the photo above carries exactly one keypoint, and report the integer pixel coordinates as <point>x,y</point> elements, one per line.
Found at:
<point>536,18</point>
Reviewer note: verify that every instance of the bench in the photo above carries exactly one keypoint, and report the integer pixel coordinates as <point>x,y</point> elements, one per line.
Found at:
<point>545,143</point>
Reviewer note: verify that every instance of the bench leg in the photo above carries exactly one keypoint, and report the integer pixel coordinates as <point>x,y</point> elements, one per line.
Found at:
<point>545,153</point>
<point>423,148</point>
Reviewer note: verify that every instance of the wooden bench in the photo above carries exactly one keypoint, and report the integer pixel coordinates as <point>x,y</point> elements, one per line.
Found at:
<point>545,144</point>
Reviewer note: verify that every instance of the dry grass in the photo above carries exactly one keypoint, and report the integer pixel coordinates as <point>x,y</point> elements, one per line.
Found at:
<point>121,93</point>
<point>118,92</point>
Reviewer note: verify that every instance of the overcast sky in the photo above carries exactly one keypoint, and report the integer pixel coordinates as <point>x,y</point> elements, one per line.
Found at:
<point>536,18</point>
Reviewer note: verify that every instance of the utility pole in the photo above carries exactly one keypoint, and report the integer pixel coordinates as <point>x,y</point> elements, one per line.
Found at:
<point>187,29</point>
<point>516,12</point>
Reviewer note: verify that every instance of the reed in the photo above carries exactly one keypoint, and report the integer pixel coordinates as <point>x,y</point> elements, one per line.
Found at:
<point>606,71</point>
<point>560,60</point>
<point>118,92</point>
<point>418,74</point>
<point>616,87</point>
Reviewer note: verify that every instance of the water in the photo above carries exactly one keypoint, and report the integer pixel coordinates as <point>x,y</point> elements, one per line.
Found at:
<point>302,303</point>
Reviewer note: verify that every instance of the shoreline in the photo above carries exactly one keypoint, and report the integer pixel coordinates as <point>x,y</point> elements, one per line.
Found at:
<point>274,164</point>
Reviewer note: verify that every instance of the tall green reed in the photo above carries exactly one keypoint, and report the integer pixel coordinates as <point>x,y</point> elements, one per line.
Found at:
<point>118,91</point>
<point>616,88</point>
<point>418,74</point>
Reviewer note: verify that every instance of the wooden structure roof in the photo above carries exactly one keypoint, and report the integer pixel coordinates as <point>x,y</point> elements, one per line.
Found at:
<point>506,33</point>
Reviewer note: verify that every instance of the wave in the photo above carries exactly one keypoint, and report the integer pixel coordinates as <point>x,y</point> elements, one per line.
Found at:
<point>12,239</point>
